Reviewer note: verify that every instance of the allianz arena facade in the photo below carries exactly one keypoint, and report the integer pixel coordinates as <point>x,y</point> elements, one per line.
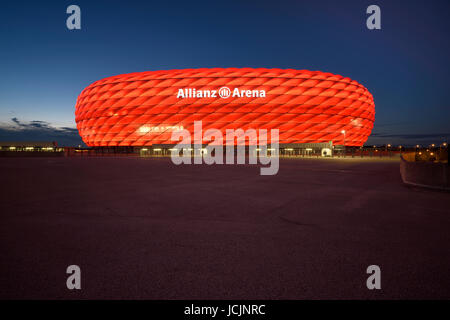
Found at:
<point>144,108</point>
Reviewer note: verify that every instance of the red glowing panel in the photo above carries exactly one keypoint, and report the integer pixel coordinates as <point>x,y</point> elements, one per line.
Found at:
<point>141,109</point>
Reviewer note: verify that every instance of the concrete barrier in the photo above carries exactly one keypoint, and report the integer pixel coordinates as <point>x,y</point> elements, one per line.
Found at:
<point>425,174</point>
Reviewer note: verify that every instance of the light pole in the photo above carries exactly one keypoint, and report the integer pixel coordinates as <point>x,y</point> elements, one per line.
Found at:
<point>343,132</point>
<point>441,151</point>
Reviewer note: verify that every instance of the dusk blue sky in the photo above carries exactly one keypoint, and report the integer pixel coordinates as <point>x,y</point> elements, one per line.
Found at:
<point>405,65</point>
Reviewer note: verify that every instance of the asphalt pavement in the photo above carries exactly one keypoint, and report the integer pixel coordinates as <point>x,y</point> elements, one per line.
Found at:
<point>148,229</point>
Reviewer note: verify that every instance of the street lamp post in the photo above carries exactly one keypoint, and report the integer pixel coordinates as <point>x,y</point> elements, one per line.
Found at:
<point>445,151</point>
<point>343,132</point>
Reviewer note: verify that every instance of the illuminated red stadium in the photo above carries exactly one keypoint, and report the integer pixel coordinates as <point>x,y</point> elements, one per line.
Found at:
<point>144,108</point>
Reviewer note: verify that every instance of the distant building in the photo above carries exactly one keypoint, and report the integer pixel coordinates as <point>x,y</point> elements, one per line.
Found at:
<point>30,148</point>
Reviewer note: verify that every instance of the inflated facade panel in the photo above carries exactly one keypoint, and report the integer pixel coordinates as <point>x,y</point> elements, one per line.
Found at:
<point>144,108</point>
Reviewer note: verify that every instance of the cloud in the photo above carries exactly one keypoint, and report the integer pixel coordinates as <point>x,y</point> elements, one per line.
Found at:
<point>39,124</point>
<point>16,121</point>
<point>408,138</point>
<point>38,130</point>
<point>413,136</point>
